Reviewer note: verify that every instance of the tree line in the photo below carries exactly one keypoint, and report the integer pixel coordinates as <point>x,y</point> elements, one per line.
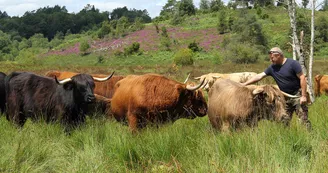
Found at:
<point>52,20</point>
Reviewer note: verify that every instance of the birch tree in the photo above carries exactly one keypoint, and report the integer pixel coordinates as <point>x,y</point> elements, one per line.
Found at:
<point>311,53</point>
<point>297,52</point>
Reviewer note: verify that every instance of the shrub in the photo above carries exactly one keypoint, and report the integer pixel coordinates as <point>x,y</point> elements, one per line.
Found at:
<point>264,16</point>
<point>194,47</point>
<point>84,46</point>
<point>165,43</point>
<point>184,57</point>
<point>134,48</point>
<point>100,59</point>
<point>118,53</point>
<point>242,53</point>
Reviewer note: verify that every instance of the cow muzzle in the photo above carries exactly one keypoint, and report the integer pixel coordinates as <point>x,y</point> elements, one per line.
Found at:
<point>90,98</point>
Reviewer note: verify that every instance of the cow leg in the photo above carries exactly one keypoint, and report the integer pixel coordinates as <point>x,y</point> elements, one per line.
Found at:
<point>19,118</point>
<point>216,122</point>
<point>15,113</point>
<point>132,121</point>
<point>225,126</point>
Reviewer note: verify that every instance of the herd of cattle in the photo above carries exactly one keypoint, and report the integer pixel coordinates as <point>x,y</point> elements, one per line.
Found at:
<point>139,100</point>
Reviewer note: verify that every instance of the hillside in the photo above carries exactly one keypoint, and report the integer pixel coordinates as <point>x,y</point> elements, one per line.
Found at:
<point>201,28</point>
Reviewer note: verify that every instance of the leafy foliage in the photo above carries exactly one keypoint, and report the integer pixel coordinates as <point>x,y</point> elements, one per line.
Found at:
<point>243,53</point>
<point>249,30</point>
<point>223,22</point>
<point>131,14</point>
<point>187,7</point>
<point>322,28</point>
<point>204,6</point>
<point>216,5</point>
<point>84,46</point>
<point>134,48</point>
<point>194,46</point>
<point>184,57</point>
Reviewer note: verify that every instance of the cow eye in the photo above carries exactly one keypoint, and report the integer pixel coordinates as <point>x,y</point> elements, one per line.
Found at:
<point>83,89</point>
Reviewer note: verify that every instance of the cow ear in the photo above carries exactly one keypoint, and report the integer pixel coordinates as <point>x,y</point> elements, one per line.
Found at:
<point>257,91</point>
<point>180,88</point>
<point>69,85</point>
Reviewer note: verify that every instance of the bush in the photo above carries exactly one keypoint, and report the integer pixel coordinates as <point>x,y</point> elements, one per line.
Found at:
<point>184,57</point>
<point>134,48</point>
<point>194,47</point>
<point>242,53</point>
<point>84,46</point>
<point>118,53</point>
<point>100,59</point>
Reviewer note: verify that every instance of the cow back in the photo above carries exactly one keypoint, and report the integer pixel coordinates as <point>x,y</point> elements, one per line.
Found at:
<point>224,100</point>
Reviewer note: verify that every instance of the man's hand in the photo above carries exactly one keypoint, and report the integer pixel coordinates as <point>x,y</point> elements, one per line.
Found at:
<point>303,100</point>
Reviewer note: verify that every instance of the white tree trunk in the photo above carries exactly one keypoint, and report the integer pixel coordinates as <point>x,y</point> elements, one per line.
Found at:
<point>310,88</point>
<point>291,12</point>
<point>296,47</point>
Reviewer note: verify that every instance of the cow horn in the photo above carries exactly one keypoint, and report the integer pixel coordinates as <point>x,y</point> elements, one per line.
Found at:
<point>216,77</point>
<point>286,94</point>
<point>103,79</point>
<point>186,79</point>
<point>257,90</point>
<point>289,95</point>
<point>62,82</point>
<point>192,88</point>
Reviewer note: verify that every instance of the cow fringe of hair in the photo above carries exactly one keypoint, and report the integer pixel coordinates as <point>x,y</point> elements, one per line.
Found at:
<point>260,111</point>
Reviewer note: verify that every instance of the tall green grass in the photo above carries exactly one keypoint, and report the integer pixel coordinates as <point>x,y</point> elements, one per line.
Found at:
<point>103,145</point>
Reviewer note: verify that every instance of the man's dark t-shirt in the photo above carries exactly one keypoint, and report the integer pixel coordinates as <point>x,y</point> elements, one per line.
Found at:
<point>286,75</point>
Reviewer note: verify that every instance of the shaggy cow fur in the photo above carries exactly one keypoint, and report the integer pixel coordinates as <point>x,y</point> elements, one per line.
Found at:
<point>231,104</point>
<point>37,97</point>
<point>2,92</point>
<point>321,85</point>
<point>104,91</point>
<point>155,99</point>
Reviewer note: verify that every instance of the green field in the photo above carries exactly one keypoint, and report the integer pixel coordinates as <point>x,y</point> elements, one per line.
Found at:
<point>104,145</point>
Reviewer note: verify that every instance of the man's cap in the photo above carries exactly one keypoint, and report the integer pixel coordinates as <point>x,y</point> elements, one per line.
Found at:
<point>276,50</point>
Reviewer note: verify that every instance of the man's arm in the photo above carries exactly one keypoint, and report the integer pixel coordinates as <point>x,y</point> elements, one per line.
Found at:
<point>254,79</point>
<point>303,87</point>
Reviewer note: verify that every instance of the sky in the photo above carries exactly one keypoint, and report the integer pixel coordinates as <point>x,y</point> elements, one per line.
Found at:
<point>19,7</point>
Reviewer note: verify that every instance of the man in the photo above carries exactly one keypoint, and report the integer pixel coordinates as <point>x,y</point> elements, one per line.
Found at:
<point>289,77</point>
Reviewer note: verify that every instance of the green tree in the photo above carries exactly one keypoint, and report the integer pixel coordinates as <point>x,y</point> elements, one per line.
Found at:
<point>216,5</point>
<point>138,24</point>
<point>39,41</point>
<point>305,3</point>
<point>322,28</point>
<point>4,41</point>
<point>249,30</point>
<point>187,7</point>
<point>84,46</point>
<point>165,39</point>
<point>104,30</point>
<point>204,5</point>
<point>223,22</point>
<point>121,27</point>
<point>325,5</point>
<point>131,14</point>
<point>168,9</point>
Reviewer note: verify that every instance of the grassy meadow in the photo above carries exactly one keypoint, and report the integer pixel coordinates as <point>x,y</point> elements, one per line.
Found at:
<point>104,145</point>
